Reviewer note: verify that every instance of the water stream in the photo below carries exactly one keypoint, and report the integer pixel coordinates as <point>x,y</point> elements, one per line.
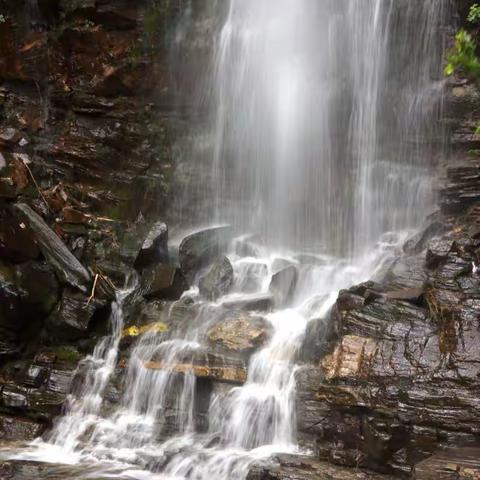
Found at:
<point>322,114</point>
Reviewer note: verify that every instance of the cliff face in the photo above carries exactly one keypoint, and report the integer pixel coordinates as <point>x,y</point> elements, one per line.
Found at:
<point>89,116</point>
<point>86,100</point>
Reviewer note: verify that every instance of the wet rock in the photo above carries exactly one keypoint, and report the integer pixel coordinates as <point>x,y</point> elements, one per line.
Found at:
<point>205,364</point>
<point>406,273</point>
<point>241,333</point>
<point>251,303</point>
<point>163,282</point>
<point>218,280</point>
<point>39,286</point>
<point>19,429</point>
<point>8,189</point>
<point>155,247</point>
<point>14,398</point>
<point>283,285</point>
<point>297,467</point>
<point>399,382</point>
<point>26,470</point>
<point>438,250</point>
<point>412,295</point>
<point>199,249</point>
<point>71,317</point>
<point>68,268</point>
<point>462,188</point>
<point>9,137</point>
<point>17,243</point>
<point>452,464</point>
<point>418,242</point>
<point>250,276</point>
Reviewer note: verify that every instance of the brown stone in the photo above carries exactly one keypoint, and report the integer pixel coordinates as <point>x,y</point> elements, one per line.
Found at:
<point>241,334</point>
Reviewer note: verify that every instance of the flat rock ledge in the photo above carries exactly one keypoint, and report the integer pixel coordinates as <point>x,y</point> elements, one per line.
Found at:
<point>293,467</point>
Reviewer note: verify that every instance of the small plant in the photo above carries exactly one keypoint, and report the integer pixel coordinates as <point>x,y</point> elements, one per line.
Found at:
<point>474,14</point>
<point>3,18</point>
<point>463,57</point>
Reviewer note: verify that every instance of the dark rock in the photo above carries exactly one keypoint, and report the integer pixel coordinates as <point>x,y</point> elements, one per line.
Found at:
<point>155,247</point>
<point>163,281</point>
<point>452,464</point>
<point>16,241</point>
<point>315,344</point>
<point>297,467</point>
<point>349,301</point>
<point>218,280</point>
<point>283,285</point>
<point>27,470</point>
<point>9,137</point>
<point>251,303</point>
<point>199,249</point>
<point>462,188</point>
<point>14,398</point>
<point>68,268</point>
<point>438,249</point>
<point>39,285</point>
<point>418,242</point>
<point>71,317</point>
<point>406,273</point>
<point>412,295</point>
<point>19,429</point>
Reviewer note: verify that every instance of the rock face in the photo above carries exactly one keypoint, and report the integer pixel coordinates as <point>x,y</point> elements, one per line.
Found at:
<point>19,429</point>
<point>218,280</point>
<point>85,166</point>
<point>399,382</point>
<point>290,467</point>
<point>199,249</point>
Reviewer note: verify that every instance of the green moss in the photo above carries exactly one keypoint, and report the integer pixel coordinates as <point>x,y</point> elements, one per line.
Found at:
<point>68,354</point>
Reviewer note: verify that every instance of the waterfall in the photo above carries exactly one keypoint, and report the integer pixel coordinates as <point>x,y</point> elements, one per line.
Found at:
<point>321,119</point>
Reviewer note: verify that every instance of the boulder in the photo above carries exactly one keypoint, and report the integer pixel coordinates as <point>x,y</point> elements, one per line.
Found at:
<point>199,249</point>
<point>15,429</point>
<point>154,248</point>
<point>283,284</point>
<point>240,333</point>
<point>218,280</point>
<point>67,267</point>
<point>163,282</point>
<point>250,275</point>
<point>71,318</point>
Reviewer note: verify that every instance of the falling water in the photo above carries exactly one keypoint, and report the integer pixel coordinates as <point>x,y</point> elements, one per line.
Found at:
<point>322,114</point>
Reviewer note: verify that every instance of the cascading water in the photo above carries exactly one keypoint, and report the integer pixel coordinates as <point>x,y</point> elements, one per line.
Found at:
<point>320,119</point>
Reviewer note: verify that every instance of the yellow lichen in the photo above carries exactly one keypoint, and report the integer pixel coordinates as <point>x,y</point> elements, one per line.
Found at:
<point>134,331</point>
